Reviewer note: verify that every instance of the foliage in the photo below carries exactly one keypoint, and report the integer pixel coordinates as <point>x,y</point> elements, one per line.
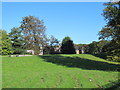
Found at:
<point>34,33</point>
<point>93,48</point>
<point>37,72</point>
<point>101,44</point>
<point>5,43</point>
<point>67,46</point>
<point>112,29</point>
<point>112,17</point>
<point>53,41</point>
<point>17,41</point>
<point>46,50</point>
<point>53,46</point>
<point>97,47</point>
<point>111,49</point>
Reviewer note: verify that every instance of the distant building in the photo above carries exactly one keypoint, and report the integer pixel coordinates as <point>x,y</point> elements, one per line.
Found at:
<point>57,49</point>
<point>79,49</point>
<point>33,52</point>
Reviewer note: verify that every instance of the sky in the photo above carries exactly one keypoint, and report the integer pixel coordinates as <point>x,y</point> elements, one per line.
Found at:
<point>57,0</point>
<point>80,20</point>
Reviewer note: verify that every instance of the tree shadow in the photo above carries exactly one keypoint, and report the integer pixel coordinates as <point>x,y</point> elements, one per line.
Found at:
<point>80,63</point>
<point>113,85</point>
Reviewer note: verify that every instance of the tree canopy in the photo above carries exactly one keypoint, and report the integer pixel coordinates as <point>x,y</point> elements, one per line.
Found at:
<point>5,43</point>
<point>17,40</point>
<point>67,46</point>
<point>111,31</point>
<point>111,14</point>
<point>34,33</point>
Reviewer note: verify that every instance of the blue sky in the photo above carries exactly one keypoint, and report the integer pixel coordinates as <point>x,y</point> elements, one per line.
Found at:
<point>80,20</point>
<point>57,0</point>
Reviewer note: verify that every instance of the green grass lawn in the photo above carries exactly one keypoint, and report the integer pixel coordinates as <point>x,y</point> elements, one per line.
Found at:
<point>58,71</point>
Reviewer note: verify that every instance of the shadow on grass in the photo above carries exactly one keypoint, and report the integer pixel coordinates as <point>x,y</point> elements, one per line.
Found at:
<point>113,85</point>
<point>80,63</point>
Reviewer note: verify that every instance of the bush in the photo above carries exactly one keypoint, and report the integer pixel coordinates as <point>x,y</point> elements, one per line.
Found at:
<point>113,58</point>
<point>101,55</point>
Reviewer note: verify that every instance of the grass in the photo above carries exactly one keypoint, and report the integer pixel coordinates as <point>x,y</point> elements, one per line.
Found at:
<point>58,71</point>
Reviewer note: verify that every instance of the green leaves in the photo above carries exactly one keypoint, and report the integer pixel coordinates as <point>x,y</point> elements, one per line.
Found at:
<point>34,32</point>
<point>5,43</point>
<point>17,40</point>
<point>111,31</point>
<point>67,46</point>
<point>112,17</point>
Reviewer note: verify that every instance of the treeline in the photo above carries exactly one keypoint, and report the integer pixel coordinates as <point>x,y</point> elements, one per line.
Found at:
<point>16,43</point>
<point>104,49</point>
<point>109,47</point>
<point>31,35</point>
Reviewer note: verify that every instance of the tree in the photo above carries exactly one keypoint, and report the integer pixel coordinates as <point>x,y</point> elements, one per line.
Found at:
<point>101,44</point>
<point>112,29</point>
<point>5,43</point>
<point>112,17</point>
<point>67,46</point>
<point>93,48</point>
<point>53,46</point>
<point>34,33</point>
<point>17,40</point>
<point>53,41</point>
<point>97,47</point>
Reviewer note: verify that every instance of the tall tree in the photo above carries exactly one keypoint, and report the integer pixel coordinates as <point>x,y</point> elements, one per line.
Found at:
<point>112,17</point>
<point>17,41</point>
<point>34,33</point>
<point>5,43</point>
<point>112,29</point>
<point>67,46</point>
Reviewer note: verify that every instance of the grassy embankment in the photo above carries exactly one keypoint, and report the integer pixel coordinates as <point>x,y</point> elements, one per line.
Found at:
<point>58,71</point>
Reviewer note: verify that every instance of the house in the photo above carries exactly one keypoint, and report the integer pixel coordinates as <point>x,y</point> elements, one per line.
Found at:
<point>79,49</point>
<point>33,52</point>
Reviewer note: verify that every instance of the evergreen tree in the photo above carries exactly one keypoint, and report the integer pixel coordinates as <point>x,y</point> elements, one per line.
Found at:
<point>67,46</point>
<point>17,41</point>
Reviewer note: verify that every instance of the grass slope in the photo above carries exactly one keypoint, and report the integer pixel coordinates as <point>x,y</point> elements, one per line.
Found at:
<point>58,71</point>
